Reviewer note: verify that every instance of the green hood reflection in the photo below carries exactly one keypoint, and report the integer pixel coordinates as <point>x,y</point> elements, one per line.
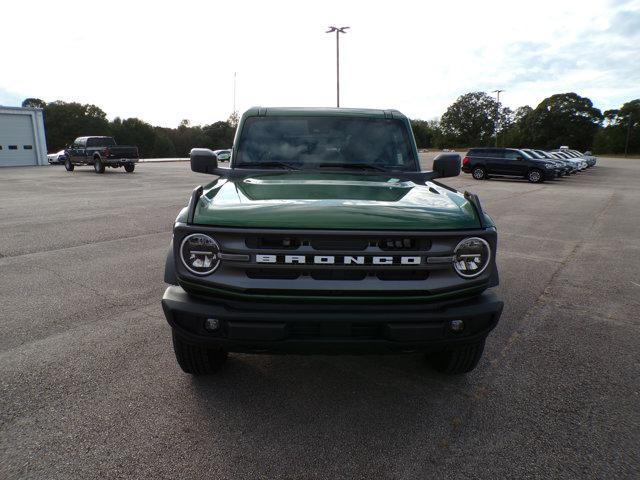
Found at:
<point>317,200</point>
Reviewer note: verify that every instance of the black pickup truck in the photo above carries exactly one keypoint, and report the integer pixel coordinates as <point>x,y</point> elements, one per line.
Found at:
<point>100,152</point>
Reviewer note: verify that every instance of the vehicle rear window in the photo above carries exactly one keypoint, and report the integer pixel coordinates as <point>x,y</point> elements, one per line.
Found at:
<point>100,142</point>
<point>312,141</point>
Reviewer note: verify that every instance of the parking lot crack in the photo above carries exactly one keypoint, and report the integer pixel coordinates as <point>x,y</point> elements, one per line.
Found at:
<point>547,291</point>
<point>527,325</point>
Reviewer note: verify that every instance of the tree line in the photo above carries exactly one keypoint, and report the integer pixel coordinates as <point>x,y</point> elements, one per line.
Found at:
<point>65,121</point>
<point>561,119</point>
<point>472,120</point>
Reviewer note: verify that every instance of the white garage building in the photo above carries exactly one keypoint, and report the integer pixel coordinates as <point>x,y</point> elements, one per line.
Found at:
<point>22,140</point>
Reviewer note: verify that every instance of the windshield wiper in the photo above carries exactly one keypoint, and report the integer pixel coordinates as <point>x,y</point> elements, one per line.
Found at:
<point>284,165</point>
<point>353,166</point>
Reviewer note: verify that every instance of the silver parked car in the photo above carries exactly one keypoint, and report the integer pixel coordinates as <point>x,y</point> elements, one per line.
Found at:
<point>223,155</point>
<point>58,157</point>
<point>582,165</point>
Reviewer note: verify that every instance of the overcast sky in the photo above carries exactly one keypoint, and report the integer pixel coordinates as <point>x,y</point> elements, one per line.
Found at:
<point>165,61</point>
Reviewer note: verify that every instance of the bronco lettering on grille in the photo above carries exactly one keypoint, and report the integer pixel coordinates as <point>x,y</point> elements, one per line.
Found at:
<point>338,260</point>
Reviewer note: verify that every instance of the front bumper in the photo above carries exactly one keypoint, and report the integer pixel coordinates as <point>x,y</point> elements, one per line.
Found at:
<point>260,328</point>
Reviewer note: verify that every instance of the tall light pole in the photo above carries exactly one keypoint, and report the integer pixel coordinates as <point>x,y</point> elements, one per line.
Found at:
<point>497,92</point>
<point>234,92</point>
<point>626,144</point>
<point>338,31</point>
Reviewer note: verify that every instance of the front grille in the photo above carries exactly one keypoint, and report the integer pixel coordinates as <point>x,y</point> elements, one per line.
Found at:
<point>274,242</point>
<point>404,275</point>
<point>335,274</point>
<point>404,243</point>
<point>274,273</point>
<point>348,244</point>
<point>337,264</point>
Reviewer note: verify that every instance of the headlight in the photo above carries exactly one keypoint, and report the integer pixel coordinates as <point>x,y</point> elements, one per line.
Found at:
<point>471,257</point>
<point>548,165</point>
<point>200,253</point>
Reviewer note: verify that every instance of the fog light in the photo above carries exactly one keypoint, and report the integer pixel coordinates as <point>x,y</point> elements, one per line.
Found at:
<point>456,325</point>
<point>212,324</point>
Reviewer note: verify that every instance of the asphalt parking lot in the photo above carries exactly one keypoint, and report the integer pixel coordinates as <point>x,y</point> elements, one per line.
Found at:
<point>90,387</point>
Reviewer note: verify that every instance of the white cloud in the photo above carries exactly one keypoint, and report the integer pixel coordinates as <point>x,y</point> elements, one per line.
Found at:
<point>164,61</point>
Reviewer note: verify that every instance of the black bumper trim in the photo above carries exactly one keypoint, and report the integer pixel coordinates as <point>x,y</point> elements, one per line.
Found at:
<point>366,329</point>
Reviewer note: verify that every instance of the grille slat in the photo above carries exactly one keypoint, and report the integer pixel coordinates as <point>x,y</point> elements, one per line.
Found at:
<point>335,274</point>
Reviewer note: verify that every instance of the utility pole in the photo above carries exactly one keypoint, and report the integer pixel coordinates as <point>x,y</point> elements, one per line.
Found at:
<point>338,31</point>
<point>497,92</point>
<point>626,144</point>
<point>234,92</point>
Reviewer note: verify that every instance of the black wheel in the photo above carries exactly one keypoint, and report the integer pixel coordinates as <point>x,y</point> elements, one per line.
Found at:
<point>68,165</point>
<point>98,166</point>
<point>535,176</point>
<point>129,167</point>
<point>478,173</point>
<point>197,360</point>
<point>457,359</point>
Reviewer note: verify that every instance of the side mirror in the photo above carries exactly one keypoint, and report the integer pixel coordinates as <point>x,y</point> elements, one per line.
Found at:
<point>203,160</point>
<point>447,165</point>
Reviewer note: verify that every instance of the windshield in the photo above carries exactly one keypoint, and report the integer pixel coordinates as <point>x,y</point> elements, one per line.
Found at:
<point>533,153</point>
<point>543,154</point>
<point>320,142</point>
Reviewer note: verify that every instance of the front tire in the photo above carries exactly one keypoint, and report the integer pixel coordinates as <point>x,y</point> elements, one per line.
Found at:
<point>98,166</point>
<point>129,167</point>
<point>68,165</point>
<point>197,360</point>
<point>458,359</point>
<point>478,173</point>
<point>535,176</point>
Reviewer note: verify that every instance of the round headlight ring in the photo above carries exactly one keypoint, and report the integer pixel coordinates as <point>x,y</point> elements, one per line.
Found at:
<point>456,260</point>
<point>202,249</point>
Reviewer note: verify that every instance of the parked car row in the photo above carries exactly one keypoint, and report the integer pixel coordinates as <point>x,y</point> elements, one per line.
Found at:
<point>535,165</point>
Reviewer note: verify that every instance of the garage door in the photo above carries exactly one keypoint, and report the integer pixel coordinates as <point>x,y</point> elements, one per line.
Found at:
<point>17,142</point>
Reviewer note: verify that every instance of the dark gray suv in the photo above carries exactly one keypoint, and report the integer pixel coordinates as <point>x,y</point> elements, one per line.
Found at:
<point>507,162</point>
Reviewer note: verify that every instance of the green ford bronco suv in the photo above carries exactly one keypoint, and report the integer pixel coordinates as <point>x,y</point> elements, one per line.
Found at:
<point>324,236</point>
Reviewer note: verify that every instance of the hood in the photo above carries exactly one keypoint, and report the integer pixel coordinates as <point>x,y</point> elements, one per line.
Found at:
<point>310,200</point>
